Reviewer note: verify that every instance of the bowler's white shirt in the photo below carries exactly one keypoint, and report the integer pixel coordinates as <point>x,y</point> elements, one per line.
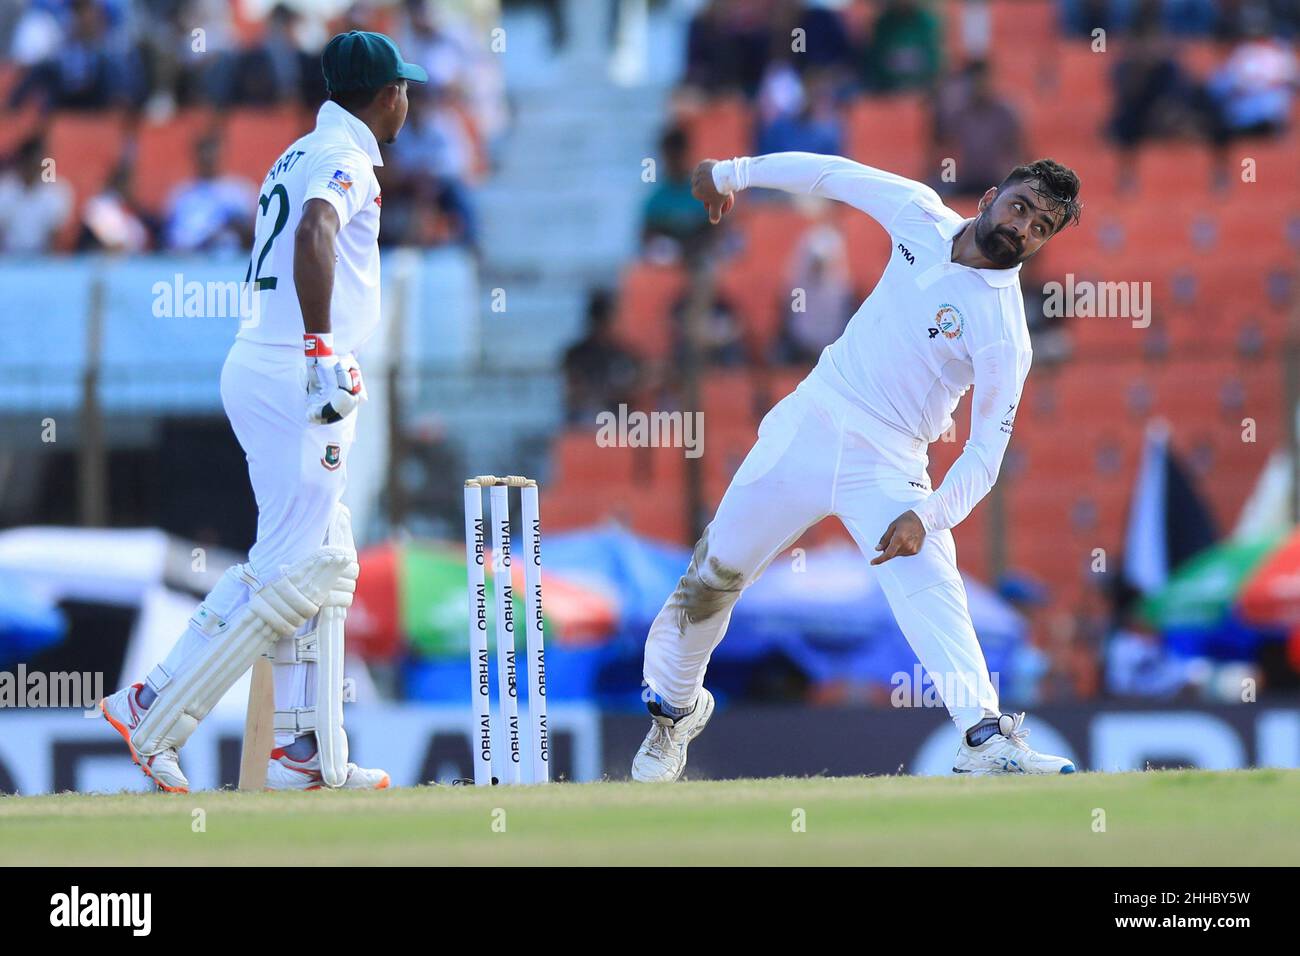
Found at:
<point>929,330</point>
<point>334,162</point>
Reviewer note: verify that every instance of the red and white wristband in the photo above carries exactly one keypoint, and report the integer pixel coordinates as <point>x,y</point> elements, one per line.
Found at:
<point>318,344</point>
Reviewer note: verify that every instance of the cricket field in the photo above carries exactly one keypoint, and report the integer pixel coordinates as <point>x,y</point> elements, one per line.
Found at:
<point>1249,817</point>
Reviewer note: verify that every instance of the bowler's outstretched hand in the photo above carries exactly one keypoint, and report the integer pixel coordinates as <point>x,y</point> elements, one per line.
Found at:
<point>702,188</point>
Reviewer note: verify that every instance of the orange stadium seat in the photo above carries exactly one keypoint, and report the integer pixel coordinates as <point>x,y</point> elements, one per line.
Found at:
<point>655,516</point>
<point>165,155</point>
<point>728,398</point>
<point>85,148</point>
<point>646,298</point>
<point>1174,171</point>
<point>1017,23</point>
<point>18,125</point>
<point>9,73</point>
<point>869,247</point>
<point>1274,162</point>
<point>1084,75</point>
<point>253,139</point>
<point>579,460</point>
<point>757,296</point>
<point>1201,57</point>
<point>890,132</point>
<point>726,443</point>
<point>722,129</point>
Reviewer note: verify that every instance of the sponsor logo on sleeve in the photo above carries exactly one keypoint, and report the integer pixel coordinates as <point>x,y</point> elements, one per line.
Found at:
<point>340,182</point>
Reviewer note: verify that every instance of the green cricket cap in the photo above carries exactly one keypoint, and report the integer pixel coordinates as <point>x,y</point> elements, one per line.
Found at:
<point>365,61</point>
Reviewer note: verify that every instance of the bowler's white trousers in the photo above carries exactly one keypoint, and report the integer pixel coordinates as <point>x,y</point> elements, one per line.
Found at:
<point>819,454</point>
<point>298,471</point>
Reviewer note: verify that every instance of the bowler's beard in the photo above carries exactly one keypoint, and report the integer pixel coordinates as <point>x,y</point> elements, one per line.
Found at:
<point>989,240</point>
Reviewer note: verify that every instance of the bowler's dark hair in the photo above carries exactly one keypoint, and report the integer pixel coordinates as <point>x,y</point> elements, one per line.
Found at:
<point>1056,185</point>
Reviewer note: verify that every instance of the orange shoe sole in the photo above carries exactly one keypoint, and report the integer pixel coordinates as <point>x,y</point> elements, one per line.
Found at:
<point>144,767</point>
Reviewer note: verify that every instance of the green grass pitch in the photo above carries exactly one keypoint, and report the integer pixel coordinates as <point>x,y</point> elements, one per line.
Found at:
<point>1155,818</point>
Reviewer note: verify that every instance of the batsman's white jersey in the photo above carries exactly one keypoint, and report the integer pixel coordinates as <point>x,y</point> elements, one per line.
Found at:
<point>298,470</point>
<point>852,439</point>
<point>335,162</point>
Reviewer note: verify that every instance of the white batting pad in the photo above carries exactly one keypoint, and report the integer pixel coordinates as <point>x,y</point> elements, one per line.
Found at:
<point>331,738</point>
<point>273,611</point>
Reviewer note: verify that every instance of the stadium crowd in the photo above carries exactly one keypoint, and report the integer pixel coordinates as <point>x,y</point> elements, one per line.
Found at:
<point>154,60</point>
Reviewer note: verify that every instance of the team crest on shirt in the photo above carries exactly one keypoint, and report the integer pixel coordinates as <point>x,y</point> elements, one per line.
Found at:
<point>333,457</point>
<point>948,322</point>
<point>340,182</point>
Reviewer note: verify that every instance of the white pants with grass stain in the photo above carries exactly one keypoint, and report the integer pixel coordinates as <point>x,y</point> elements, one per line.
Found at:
<point>817,455</point>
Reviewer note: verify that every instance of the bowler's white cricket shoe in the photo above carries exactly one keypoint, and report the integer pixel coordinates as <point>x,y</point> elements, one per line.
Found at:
<point>1006,752</point>
<point>286,773</point>
<point>123,712</point>
<point>662,756</point>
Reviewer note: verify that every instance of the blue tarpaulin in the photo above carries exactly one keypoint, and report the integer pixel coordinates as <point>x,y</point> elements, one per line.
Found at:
<point>27,625</point>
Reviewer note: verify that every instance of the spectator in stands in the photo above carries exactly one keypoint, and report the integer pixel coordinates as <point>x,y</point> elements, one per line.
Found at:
<point>1029,664</point>
<point>433,162</point>
<point>211,212</point>
<point>113,221</point>
<point>33,204</point>
<point>84,71</point>
<point>1138,664</point>
<point>277,69</point>
<point>728,46</point>
<point>37,33</point>
<point>177,72</point>
<point>359,15</point>
<point>1073,673</point>
<point>718,339</point>
<point>827,47</point>
<point>1236,17</point>
<point>672,217</point>
<point>599,373</point>
<point>458,63</point>
<point>977,129</point>
<point>1186,17</point>
<point>1156,98</point>
<point>430,42</point>
<point>820,303</point>
<point>1254,88</point>
<point>906,48</point>
<point>811,123</point>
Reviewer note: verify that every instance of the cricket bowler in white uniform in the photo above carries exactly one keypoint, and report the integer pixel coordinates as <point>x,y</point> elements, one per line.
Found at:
<point>851,441</point>
<point>290,386</point>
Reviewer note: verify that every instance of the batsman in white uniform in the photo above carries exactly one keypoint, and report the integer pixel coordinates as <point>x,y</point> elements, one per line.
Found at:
<point>290,386</point>
<point>851,441</point>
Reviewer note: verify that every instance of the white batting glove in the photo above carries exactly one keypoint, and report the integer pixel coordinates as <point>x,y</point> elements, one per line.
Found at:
<point>334,386</point>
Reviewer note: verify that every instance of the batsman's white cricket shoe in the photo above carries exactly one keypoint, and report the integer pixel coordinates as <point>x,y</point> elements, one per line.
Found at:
<point>1007,752</point>
<point>662,756</point>
<point>123,712</point>
<point>286,773</point>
